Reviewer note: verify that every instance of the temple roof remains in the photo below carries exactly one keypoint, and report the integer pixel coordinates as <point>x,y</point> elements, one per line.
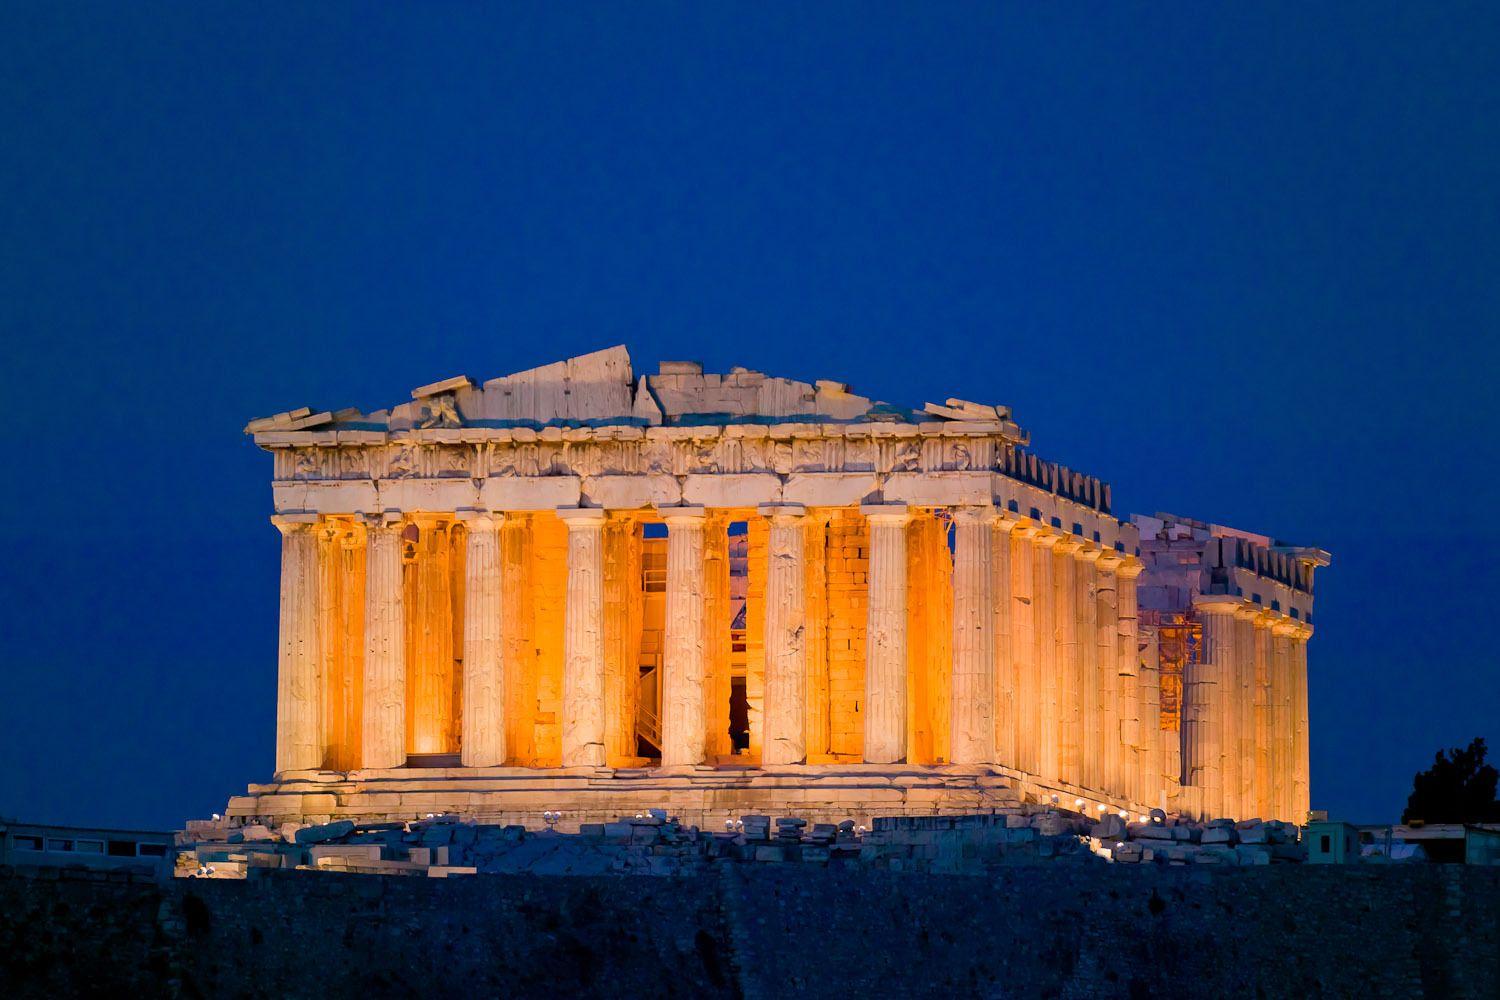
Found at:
<point>601,389</point>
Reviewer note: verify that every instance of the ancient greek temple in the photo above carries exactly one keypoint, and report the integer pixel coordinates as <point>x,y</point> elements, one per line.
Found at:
<point>584,591</point>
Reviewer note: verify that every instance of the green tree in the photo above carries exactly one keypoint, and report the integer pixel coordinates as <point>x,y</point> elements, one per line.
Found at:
<point>1459,787</point>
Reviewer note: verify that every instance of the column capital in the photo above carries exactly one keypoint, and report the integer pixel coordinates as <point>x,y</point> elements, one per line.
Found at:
<point>1067,544</point>
<point>1217,604</point>
<point>1130,567</point>
<point>981,516</point>
<point>684,514</point>
<point>382,518</point>
<point>886,513</point>
<point>1046,538</point>
<point>1007,523</point>
<point>1286,627</point>
<point>1249,612</point>
<point>290,524</point>
<point>1088,552</point>
<point>479,519</point>
<point>1110,561</point>
<point>782,513</point>
<point>579,518</point>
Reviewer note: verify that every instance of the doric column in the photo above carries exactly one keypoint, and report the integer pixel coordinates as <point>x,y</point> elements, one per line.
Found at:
<point>583,640</point>
<point>1283,726</point>
<point>1107,637</point>
<point>1004,642</point>
<point>1069,690</point>
<point>786,654</point>
<point>1140,694</point>
<point>682,725</point>
<point>1264,798</point>
<point>885,635</point>
<point>1243,708</point>
<point>483,740</point>
<point>1301,764</point>
<point>1205,702</point>
<point>299,682</point>
<point>1023,646</point>
<point>622,636</point>
<point>1044,601</point>
<point>383,728</point>
<point>1090,706</point>
<point>972,697</point>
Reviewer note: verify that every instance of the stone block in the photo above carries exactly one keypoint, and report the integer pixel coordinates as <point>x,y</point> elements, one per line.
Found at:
<point>366,852</point>
<point>524,493</point>
<point>631,492</point>
<point>828,489</point>
<point>1109,827</point>
<point>324,832</point>
<point>770,853</point>
<point>745,489</point>
<point>1219,835</point>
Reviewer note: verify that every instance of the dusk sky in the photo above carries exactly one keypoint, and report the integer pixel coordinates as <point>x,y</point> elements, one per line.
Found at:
<point>1241,261</point>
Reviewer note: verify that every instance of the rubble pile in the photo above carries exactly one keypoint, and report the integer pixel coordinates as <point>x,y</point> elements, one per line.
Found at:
<point>653,843</point>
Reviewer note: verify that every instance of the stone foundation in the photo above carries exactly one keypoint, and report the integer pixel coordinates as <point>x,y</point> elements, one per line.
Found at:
<point>698,796</point>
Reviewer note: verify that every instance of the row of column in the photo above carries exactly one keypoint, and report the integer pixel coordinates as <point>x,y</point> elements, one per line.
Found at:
<point>1245,713</point>
<point>1044,673</point>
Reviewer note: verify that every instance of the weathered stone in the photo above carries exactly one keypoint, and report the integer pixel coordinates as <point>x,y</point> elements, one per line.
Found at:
<point>325,832</point>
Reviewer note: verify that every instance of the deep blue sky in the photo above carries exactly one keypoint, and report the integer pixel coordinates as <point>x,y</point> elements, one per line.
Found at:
<point>1240,262</point>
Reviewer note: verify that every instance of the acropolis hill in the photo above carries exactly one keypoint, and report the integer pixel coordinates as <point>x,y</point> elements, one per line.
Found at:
<point>583,590</point>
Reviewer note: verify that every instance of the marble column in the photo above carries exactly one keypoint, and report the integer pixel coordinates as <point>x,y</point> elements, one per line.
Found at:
<point>483,740</point>
<point>299,681</point>
<point>683,729</point>
<point>885,635</point>
<point>1244,710</point>
<point>1090,706</point>
<point>1107,633</point>
<point>972,697</point>
<point>1264,799</point>
<point>1023,646</point>
<point>1301,764</point>
<point>583,640</point>
<point>1005,660</point>
<point>383,728</point>
<point>1069,690</point>
<point>1283,727</point>
<point>1044,601</point>
<point>1205,703</point>
<point>785,650</point>
<point>1140,694</point>
<point>622,637</point>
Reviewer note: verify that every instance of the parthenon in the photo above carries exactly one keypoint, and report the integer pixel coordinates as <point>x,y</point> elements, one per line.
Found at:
<point>579,590</point>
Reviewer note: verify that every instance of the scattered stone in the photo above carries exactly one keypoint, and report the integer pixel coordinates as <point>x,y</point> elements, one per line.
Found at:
<point>324,832</point>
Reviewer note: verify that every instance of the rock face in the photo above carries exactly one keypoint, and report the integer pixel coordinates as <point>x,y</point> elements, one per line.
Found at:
<point>768,930</point>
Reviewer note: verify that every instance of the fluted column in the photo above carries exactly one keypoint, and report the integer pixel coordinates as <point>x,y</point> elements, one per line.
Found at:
<point>1006,721</point>
<point>1090,707</point>
<point>1264,799</point>
<point>683,729</point>
<point>583,640</point>
<point>785,652</point>
<point>483,739</point>
<point>1107,638</point>
<point>622,637</point>
<point>885,635</point>
<point>1023,646</point>
<point>1044,601</point>
<point>1140,694</point>
<point>1243,708</point>
<point>1205,702</point>
<point>972,699</point>
<point>1069,691</point>
<point>383,728</point>
<point>299,682</point>
<point>1301,764</point>
<point>1283,727</point>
